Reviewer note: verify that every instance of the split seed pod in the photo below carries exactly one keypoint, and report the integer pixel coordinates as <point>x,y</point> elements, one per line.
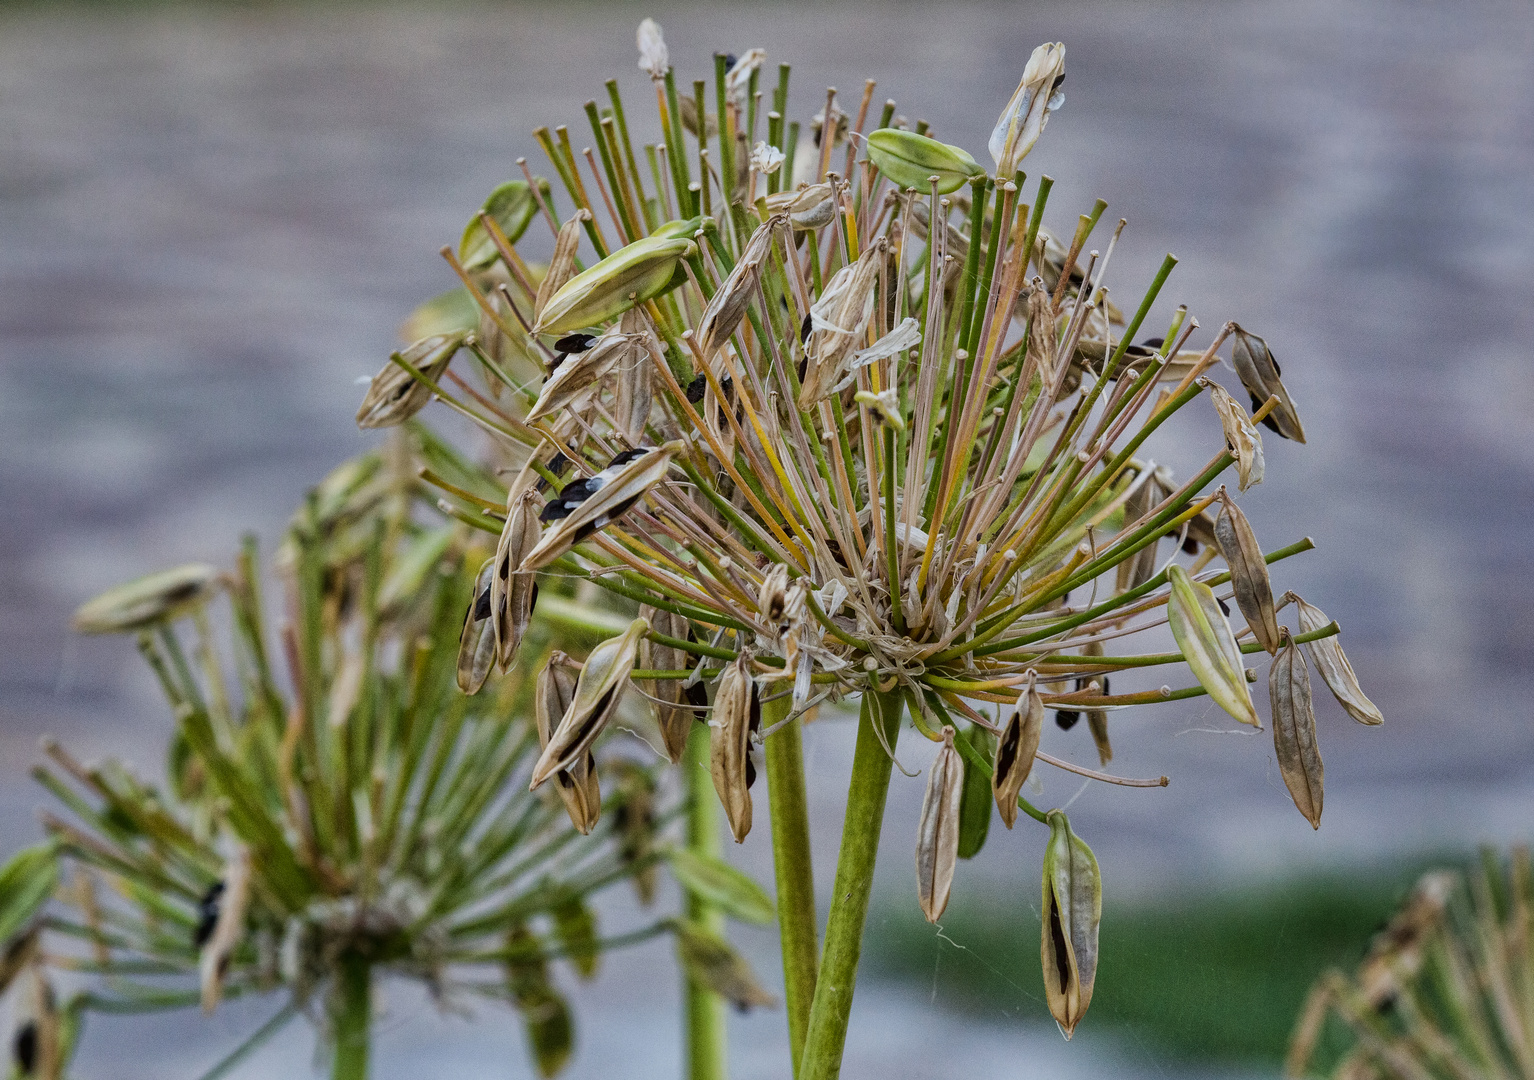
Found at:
<point>1335,670</point>
<point>145,601</point>
<point>1294,730</point>
<point>1015,752</point>
<point>228,929</point>
<point>909,160</point>
<point>1259,374</point>
<point>937,835</point>
<point>711,963</point>
<point>1073,908</point>
<point>476,644</point>
<point>577,785</point>
<point>631,275</point>
<point>562,262</point>
<point>511,206</point>
<point>618,491</point>
<point>1248,572</point>
<point>513,589</point>
<point>737,714</point>
<point>733,296</point>
<point>839,321</point>
<point>1242,437</point>
<point>394,395</point>
<point>1022,121</point>
<point>583,372</point>
<point>675,705</point>
<point>598,692</point>
<point>811,207</point>
<point>1204,636</point>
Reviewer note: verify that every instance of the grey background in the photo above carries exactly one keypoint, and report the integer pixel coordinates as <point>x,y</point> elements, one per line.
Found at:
<point>212,220</point>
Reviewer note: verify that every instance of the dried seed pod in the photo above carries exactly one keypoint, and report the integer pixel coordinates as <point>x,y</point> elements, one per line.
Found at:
<point>1015,751</point>
<point>1022,121</point>
<point>1141,566</point>
<point>511,206</point>
<point>1072,910</point>
<point>675,705</point>
<point>631,275</point>
<point>1097,719</point>
<point>561,262</point>
<point>737,715</point>
<point>598,692</point>
<point>839,321</point>
<point>587,506</point>
<point>1294,729</point>
<point>634,822</point>
<point>513,589</point>
<point>228,928</point>
<point>772,597</point>
<point>808,208</point>
<point>394,395</point>
<point>975,807</point>
<point>1335,670</point>
<point>1204,636</point>
<point>38,1045</point>
<point>583,373</point>
<point>476,643</point>
<point>577,785</point>
<point>145,601</point>
<point>728,306</point>
<point>575,924</point>
<point>723,886</point>
<point>711,963</point>
<point>1242,438</point>
<point>1248,572</point>
<point>909,160</point>
<point>635,393</point>
<point>937,835</point>
<point>1259,374</point>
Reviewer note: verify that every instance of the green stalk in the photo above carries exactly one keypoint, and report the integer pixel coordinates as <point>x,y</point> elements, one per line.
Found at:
<point>792,871</point>
<point>705,1031</point>
<point>871,763</point>
<point>353,1017</point>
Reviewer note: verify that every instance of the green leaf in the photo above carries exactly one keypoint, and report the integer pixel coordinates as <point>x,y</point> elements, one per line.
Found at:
<point>976,806</point>
<point>27,880</point>
<point>511,206</point>
<point>720,884</point>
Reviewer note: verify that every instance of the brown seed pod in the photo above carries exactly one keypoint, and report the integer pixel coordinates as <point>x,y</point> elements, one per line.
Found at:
<point>476,643</point>
<point>599,690</point>
<point>514,590</point>
<point>577,786</point>
<point>582,373</point>
<point>839,320</point>
<point>1259,374</point>
<point>228,929</point>
<point>674,705</point>
<point>730,301</point>
<point>1097,719</point>
<point>1294,729</point>
<point>1335,670</point>
<point>937,834</point>
<point>1015,751</point>
<point>1072,910</point>
<point>617,488</point>
<point>737,714</point>
<point>1141,566</point>
<point>1248,572</point>
<point>394,395</point>
<point>562,262</point>
<point>1242,438</point>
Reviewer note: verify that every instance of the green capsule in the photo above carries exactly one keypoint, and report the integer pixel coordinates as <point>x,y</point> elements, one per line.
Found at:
<point>575,925</point>
<point>910,160</point>
<point>631,275</point>
<point>147,600</point>
<point>1073,908</point>
<point>27,880</point>
<point>1203,634</point>
<point>511,206</point>
<point>975,806</point>
<point>713,964</point>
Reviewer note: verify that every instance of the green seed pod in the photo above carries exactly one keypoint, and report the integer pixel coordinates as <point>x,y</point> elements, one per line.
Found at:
<point>910,160</point>
<point>711,963</point>
<point>631,275</point>
<point>511,206</point>
<point>1073,908</point>
<point>598,692</point>
<point>575,924</point>
<point>723,886</point>
<point>147,600</point>
<point>1204,636</point>
<point>975,806</point>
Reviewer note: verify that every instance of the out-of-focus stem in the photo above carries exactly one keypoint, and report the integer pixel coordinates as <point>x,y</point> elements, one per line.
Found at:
<point>791,865</point>
<point>705,1031</point>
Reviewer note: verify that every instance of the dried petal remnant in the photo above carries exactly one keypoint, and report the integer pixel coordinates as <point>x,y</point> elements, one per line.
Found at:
<point>1072,910</point>
<point>937,835</point>
<point>1294,730</point>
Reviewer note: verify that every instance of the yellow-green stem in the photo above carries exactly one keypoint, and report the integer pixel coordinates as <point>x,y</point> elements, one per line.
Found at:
<point>791,866</point>
<point>706,1042</point>
<point>353,1017</point>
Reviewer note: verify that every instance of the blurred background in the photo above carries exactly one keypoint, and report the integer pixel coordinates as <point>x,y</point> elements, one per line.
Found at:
<point>213,219</point>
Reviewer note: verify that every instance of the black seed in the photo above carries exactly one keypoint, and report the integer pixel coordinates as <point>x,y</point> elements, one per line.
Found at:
<point>557,465</point>
<point>729,61</point>
<point>696,388</point>
<point>532,603</point>
<point>804,329</point>
<point>1153,342</point>
<point>1189,546</point>
<point>1065,719</point>
<point>1060,78</point>
<point>1267,421</point>
<point>804,365</point>
<point>697,696</point>
<point>627,456</point>
<point>574,343</point>
<point>207,909</point>
<point>756,710</point>
<point>24,1048</point>
<point>482,606</point>
<point>1224,608</point>
<point>750,772</point>
<point>1105,686</point>
<point>1057,935</point>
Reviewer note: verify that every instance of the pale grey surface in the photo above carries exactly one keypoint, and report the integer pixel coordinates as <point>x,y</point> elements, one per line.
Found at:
<point>211,222</point>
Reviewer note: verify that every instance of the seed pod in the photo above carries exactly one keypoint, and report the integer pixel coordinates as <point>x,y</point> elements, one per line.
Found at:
<point>394,395</point>
<point>1141,566</point>
<point>38,1045</point>
<point>909,160</point>
<point>513,589</point>
<point>975,807</point>
<point>1259,374</point>
<point>737,715</point>
<point>577,785</point>
<point>839,322</point>
<point>635,394</point>
<point>550,1032</point>
<point>721,885</point>
<point>631,275</point>
<point>583,373</point>
<point>808,208</point>
<point>598,692</point>
<point>1333,665</point>
<point>144,601</point>
<point>1242,438</point>
<point>674,705</point>
<point>725,311</point>
<point>27,880</point>
<point>1015,751</point>
<point>1248,572</point>
<point>601,500</point>
<point>772,598</point>
<point>711,963</point>
<point>476,643</point>
<point>561,263</point>
<point>228,929</point>
<point>1073,908</point>
<point>575,924</point>
<point>1022,121</point>
<point>937,835</point>
<point>1204,636</point>
<point>1294,729</point>
<point>634,822</point>
<point>511,206</point>
<point>1097,719</point>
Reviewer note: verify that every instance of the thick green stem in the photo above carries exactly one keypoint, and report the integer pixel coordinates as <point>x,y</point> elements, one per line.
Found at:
<point>871,765</point>
<point>791,865</point>
<point>706,1045</point>
<point>353,1017</point>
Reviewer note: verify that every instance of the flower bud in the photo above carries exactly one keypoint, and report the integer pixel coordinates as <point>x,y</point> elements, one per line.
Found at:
<point>910,160</point>
<point>145,601</point>
<point>1072,910</point>
<point>1022,121</point>
<point>631,275</point>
